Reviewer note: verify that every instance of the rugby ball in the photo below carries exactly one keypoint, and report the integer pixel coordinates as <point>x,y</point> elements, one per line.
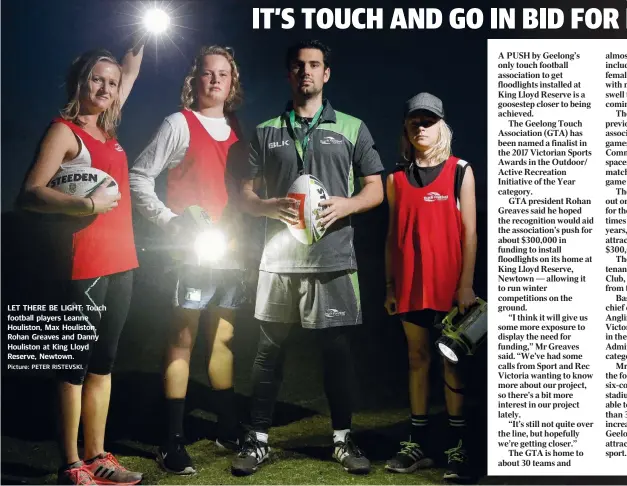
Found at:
<point>82,181</point>
<point>308,191</point>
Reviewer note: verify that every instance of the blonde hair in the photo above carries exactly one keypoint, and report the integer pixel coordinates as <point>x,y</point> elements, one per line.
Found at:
<point>440,151</point>
<point>77,86</point>
<point>189,98</point>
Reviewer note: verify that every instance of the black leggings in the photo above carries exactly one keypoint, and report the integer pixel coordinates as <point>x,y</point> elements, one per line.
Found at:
<point>112,295</point>
<point>267,373</point>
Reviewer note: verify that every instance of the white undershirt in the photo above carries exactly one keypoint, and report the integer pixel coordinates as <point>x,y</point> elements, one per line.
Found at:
<point>82,159</point>
<point>165,151</point>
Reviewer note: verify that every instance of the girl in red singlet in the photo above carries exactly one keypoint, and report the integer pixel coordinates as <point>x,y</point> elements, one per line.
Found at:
<point>102,253</point>
<point>430,259</point>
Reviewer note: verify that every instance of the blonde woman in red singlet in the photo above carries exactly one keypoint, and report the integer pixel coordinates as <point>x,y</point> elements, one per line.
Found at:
<point>102,254</point>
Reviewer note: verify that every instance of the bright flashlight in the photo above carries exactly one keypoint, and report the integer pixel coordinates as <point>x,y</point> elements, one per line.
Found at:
<point>156,21</point>
<point>463,334</point>
<point>199,241</point>
<point>447,351</point>
<point>210,245</point>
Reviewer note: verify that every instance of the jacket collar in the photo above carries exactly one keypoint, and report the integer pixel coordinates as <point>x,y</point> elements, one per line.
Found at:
<point>327,115</point>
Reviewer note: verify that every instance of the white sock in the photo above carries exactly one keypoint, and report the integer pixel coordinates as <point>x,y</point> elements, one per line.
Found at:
<point>340,435</point>
<point>262,437</point>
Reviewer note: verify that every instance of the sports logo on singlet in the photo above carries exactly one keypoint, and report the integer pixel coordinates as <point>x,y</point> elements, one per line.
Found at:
<point>118,147</point>
<point>330,141</point>
<point>282,143</point>
<point>434,196</point>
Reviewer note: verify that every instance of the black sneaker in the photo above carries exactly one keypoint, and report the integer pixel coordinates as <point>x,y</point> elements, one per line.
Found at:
<point>458,466</point>
<point>230,438</point>
<point>252,453</point>
<point>228,444</point>
<point>173,457</point>
<point>408,459</point>
<point>348,455</point>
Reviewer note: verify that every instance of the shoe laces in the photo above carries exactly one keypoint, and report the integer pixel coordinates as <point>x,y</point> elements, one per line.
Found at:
<point>110,460</point>
<point>181,451</point>
<point>81,475</point>
<point>350,447</point>
<point>179,445</point>
<point>252,447</point>
<point>409,447</point>
<point>457,453</point>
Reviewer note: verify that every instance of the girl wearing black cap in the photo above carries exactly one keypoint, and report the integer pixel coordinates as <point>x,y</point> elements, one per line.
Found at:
<point>101,253</point>
<point>430,260</point>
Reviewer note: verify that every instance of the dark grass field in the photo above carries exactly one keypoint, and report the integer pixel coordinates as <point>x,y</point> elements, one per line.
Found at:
<point>301,438</point>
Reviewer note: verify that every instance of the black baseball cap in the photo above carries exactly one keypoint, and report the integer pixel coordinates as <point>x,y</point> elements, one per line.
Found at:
<point>424,101</point>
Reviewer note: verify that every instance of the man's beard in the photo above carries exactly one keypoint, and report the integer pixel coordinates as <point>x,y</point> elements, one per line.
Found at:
<point>309,92</point>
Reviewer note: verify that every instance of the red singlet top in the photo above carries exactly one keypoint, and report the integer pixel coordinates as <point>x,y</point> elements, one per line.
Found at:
<point>200,177</point>
<point>427,249</point>
<point>107,245</point>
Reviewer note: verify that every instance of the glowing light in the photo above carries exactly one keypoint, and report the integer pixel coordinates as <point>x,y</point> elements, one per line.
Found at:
<point>156,21</point>
<point>210,245</point>
<point>448,353</point>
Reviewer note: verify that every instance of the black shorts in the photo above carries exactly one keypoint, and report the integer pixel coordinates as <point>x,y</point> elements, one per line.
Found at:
<point>427,318</point>
<point>98,323</point>
<point>199,287</point>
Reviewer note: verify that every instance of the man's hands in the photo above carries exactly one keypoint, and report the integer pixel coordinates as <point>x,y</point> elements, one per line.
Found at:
<point>286,209</point>
<point>335,208</point>
<point>282,208</point>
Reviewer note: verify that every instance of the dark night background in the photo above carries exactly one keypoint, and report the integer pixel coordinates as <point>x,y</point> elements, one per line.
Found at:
<point>372,74</point>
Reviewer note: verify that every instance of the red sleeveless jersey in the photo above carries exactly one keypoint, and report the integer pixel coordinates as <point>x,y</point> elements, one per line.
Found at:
<point>200,178</point>
<point>427,249</point>
<point>107,245</point>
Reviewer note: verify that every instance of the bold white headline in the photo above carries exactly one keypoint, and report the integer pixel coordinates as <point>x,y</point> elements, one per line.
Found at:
<point>433,18</point>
